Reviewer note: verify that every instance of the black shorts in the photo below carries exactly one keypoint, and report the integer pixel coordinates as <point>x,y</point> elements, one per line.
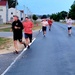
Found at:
<point>44,28</point>
<point>17,36</point>
<point>69,28</point>
<point>28,36</point>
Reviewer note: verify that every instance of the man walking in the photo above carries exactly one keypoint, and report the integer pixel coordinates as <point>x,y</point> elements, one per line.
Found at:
<point>28,25</point>
<point>17,28</point>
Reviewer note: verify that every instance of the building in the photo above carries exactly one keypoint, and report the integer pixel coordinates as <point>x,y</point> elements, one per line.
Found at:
<point>22,14</point>
<point>4,10</point>
<point>1,20</point>
<point>14,11</point>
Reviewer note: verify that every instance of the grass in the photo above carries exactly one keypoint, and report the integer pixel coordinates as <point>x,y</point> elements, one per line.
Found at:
<point>4,25</point>
<point>37,27</point>
<point>5,30</point>
<point>65,23</point>
<point>4,43</point>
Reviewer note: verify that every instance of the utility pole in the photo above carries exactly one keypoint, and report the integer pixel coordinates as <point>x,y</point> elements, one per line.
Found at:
<point>15,7</point>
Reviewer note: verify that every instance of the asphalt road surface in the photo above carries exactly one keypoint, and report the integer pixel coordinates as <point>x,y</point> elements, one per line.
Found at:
<point>50,55</point>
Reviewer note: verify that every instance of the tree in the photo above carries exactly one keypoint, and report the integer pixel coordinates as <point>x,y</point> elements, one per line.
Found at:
<point>72,11</point>
<point>35,17</point>
<point>53,16</point>
<point>44,16</point>
<point>63,14</point>
<point>59,15</point>
<point>12,3</point>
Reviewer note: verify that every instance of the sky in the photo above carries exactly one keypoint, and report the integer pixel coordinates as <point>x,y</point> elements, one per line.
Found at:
<point>41,7</point>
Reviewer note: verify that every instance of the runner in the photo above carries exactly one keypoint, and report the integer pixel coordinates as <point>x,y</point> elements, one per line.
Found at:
<point>50,23</point>
<point>44,26</point>
<point>69,23</point>
<point>28,25</point>
<point>17,28</point>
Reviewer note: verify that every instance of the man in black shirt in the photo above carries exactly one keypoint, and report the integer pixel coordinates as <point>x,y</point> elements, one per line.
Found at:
<point>17,28</point>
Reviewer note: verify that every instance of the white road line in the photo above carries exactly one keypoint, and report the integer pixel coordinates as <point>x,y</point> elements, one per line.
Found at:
<point>16,59</point>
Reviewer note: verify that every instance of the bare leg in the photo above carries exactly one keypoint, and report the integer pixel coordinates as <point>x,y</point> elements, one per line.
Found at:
<point>16,47</point>
<point>44,33</point>
<point>27,41</point>
<point>69,32</point>
<point>49,27</point>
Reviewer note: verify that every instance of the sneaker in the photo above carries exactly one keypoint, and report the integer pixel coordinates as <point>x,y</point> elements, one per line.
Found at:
<point>44,35</point>
<point>28,46</point>
<point>69,34</point>
<point>24,45</point>
<point>49,29</point>
<point>16,52</point>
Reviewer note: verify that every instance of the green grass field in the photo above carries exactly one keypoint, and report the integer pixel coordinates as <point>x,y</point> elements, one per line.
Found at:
<point>4,25</point>
<point>4,42</point>
<point>5,30</point>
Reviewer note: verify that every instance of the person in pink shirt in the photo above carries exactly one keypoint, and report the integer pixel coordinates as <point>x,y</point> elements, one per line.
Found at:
<point>28,25</point>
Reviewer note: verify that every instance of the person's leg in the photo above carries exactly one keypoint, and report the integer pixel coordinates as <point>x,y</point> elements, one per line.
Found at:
<point>69,31</point>
<point>26,39</point>
<point>16,46</point>
<point>45,31</point>
<point>49,27</point>
<point>15,42</point>
<point>30,38</point>
<point>20,39</point>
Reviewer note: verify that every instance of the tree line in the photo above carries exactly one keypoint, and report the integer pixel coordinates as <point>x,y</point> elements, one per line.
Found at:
<point>61,15</point>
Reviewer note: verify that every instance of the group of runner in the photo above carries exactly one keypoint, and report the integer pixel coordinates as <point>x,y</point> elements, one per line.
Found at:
<point>27,25</point>
<point>17,28</point>
<point>46,22</point>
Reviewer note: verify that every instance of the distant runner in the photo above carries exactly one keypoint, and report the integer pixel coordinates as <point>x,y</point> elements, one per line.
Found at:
<point>44,26</point>
<point>17,28</point>
<point>50,23</point>
<point>69,23</point>
<point>28,25</point>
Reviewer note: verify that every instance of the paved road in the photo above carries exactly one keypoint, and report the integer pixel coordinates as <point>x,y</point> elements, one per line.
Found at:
<point>50,55</point>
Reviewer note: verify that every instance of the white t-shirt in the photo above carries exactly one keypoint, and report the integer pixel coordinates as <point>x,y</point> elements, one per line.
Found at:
<point>44,23</point>
<point>69,22</point>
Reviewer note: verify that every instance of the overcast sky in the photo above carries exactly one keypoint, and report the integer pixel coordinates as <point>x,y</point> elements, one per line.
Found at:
<point>45,6</point>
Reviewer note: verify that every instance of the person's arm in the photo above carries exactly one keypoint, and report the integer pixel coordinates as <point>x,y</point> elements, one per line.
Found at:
<point>12,27</point>
<point>21,26</point>
<point>32,24</point>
